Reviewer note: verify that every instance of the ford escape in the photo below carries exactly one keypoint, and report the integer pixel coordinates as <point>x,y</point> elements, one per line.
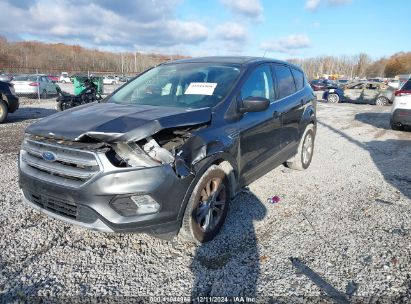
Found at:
<point>165,153</point>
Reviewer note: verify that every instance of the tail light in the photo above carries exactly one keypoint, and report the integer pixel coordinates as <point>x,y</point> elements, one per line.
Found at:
<point>402,92</point>
<point>34,84</point>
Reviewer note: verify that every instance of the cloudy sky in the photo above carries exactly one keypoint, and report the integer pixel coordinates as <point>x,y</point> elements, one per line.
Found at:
<point>281,29</point>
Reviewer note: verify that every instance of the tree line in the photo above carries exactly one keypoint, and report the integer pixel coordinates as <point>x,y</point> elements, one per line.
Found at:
<point>32,56</point>
<point>360,65</point>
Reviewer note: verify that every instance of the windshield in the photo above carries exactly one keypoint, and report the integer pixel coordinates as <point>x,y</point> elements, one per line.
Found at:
<point>187,85</point>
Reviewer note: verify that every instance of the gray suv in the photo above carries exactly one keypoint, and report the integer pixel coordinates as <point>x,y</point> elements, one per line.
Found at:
<point>166,152</point>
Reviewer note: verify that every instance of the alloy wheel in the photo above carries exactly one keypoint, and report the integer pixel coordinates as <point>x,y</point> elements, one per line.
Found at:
<point>211,205</point>
<point>307,148</point>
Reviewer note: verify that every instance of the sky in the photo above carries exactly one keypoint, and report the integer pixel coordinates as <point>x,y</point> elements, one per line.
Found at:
<point>277,29</point>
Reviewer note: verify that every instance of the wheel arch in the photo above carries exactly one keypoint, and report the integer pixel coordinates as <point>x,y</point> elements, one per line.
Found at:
<point>226,162</point>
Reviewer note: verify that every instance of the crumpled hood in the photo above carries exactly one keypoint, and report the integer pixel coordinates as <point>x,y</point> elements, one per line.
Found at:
<point>112,122</point>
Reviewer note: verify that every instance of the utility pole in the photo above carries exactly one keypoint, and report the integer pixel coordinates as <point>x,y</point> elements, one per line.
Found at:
<point>122,64</point>
<point>135,62</point>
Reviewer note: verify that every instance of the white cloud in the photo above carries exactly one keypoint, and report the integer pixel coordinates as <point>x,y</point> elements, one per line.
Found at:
<point>288,45</point>
<point>231,31</point>
<point>313,5</point>
<point>247,8</point>
<point>103,23</point>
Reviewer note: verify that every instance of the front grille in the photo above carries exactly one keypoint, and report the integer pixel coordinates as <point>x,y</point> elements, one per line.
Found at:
<point>71,167</point>
<point>56,205</point>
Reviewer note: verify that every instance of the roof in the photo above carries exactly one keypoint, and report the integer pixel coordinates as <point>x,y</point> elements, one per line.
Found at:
<point>243,60</point>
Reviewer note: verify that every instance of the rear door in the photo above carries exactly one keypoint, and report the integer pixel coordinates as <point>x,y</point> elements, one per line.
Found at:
<point>291,100</point>
<point>260,132</point>
<point>371,91</point>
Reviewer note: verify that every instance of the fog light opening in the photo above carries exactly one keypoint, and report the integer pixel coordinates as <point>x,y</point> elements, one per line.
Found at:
<point>145,204</point>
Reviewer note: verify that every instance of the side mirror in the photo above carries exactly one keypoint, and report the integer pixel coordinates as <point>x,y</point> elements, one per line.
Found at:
<point>254,104</point>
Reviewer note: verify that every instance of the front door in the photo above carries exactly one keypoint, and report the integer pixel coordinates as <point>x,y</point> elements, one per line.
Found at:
<point>371,92</point>
<point>260,132</point>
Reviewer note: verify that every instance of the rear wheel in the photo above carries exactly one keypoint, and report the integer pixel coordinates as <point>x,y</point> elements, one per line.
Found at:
<point>207,207</point>
<point>3,111</point>
<point>381,101</point>
<point>333,98</point>
<point>302,159</point>
<point>44,94</point>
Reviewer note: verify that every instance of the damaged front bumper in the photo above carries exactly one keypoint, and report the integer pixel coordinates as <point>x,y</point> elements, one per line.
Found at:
<point>86,189</point>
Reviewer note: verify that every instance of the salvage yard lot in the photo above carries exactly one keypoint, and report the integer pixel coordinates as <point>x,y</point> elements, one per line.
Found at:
<point>342,228</point>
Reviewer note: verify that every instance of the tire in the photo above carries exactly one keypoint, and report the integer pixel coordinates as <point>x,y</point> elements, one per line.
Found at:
<point>395,126</point>
<point>333,98</point>
<point>381,101</point>
<point>44,94</point>
<point>4,111</point>
<point>302,159</point>
<point>198,210</point>
<point>61,106</point>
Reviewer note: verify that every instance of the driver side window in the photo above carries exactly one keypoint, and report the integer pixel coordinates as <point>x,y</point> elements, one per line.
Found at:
<point>259,84</point>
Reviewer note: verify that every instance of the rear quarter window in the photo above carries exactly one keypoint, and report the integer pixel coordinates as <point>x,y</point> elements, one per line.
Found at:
<point>298,78</point>
<point>285,81</point>
<point>407,86</point>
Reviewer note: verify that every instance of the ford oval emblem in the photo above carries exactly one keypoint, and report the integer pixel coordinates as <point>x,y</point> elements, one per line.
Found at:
<point>49,156</point>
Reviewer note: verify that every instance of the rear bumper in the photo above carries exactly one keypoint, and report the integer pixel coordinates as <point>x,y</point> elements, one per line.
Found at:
<point>401,116</point>
<point>26,91</point>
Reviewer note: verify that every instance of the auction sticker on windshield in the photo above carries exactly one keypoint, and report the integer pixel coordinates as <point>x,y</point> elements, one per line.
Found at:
<point>200,88</point>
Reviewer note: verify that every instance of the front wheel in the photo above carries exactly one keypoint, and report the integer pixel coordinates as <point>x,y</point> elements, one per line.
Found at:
<point>302,159</point>
<point>3,111</point>
<point>207,207</point>
<point>333,98</point>
<point>381,101</point>
<point>63,105</point>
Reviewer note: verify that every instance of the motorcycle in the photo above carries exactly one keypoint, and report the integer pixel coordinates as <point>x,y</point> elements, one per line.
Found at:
<point>67,101</point>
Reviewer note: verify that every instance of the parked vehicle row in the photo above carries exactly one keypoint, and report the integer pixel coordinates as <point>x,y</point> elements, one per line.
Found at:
<point>34,85</point>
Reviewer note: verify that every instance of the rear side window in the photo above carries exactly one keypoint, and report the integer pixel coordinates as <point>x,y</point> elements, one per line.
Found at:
<point>259,84</point>
<point>298,78</point>
<point>285,81</point>
<point>407,86</point>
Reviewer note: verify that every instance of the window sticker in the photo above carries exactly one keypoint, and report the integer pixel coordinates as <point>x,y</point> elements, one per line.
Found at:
<point>200,88</point>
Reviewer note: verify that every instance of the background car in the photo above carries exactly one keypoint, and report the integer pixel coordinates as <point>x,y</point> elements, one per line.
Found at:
<point>401,108</point>
<point>333,95</point>
<point>322,84</point>
<point>368,92</point>
<point>64,78</point>
<point>109,80</point>
<point>53,78</point>
<point>9,102</point>
<point>6,77</point>
<point>34,85</point>
<point>395,83</point>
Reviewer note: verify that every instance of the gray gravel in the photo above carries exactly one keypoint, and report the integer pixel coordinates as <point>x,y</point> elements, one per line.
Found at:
<point>341,229</point>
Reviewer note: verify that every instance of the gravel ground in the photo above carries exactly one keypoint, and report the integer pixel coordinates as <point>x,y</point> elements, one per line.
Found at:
<point>341,230</point>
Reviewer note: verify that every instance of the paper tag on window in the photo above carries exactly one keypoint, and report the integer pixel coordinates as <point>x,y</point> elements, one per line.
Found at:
<point>200,88</point>
<point>332,90</point>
